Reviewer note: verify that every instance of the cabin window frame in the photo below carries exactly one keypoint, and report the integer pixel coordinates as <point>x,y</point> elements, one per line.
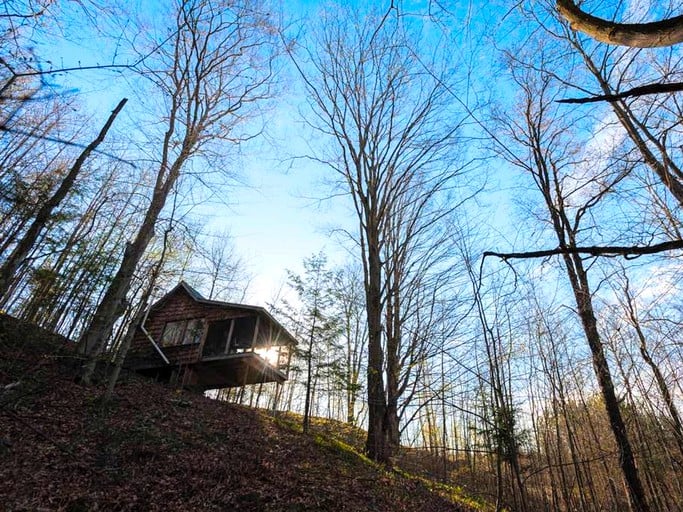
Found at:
<point>180,337</point>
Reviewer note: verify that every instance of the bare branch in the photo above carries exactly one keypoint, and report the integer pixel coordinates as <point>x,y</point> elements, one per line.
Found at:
<point>666,32</point>
<point>610,251</point>
<point>642,90</point>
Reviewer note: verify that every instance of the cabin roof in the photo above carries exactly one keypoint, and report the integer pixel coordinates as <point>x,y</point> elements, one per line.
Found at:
<point>197,297</point>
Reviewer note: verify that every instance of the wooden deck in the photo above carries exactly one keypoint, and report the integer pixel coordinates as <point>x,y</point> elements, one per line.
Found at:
<point>232,370</point>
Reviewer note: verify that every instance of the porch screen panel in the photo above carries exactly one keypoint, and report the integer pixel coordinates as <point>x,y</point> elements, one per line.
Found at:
<point>243,334</point>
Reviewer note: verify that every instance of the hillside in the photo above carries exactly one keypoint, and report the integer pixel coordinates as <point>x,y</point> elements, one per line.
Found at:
<point>155,448</point>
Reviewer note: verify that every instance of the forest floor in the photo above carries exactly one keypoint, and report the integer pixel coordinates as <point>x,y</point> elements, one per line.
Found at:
<point>155,448</point>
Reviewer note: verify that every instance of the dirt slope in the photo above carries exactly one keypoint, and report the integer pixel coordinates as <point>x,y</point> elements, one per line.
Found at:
<point>155,448</point>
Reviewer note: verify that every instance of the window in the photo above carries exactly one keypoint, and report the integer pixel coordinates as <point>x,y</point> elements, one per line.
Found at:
<point>183,332</point>
<point>173,333</point>
<point>194,332</point>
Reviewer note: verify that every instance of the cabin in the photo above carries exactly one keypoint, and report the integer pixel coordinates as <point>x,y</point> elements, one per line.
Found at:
<point>206,344</point>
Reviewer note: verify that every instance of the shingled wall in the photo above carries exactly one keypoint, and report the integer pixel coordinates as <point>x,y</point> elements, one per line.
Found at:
<point>177,306</point>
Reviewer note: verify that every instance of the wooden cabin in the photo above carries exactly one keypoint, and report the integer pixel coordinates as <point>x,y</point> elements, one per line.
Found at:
<point>206,344</point>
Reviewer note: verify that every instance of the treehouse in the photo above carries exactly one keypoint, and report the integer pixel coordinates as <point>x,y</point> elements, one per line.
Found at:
<point>206,344</point>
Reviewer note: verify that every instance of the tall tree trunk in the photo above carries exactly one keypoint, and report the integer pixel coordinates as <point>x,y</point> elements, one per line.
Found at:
<point>309,376</point>
<point>393,341</point>
<point>27,242</point>
<point>350,383</point>
<point>584,303</point>
<point>547,173</point>
<point>112,305</point>
<point>123,349</point>
<point>375,444</point>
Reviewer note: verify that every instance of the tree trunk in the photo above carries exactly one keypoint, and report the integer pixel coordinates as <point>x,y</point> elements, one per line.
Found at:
<point>350,381</point>
<point>663,169</point>
<point>584,305</point>
<point>94,338</point>
<point>393,328</point>
<point>24,246</point>
<point>375,444</point>
<point>121,353</point>
<point>309,376</point>
<point>548,178</point>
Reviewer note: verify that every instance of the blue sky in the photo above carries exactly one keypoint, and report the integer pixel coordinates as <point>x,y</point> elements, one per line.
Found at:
<point>273,211</point>
<point>276,213</point>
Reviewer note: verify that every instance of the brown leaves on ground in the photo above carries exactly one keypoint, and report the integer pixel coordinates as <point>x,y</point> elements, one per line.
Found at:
<point>155,448</point>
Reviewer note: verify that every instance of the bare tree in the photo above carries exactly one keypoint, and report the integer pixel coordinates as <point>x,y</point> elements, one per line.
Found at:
<point>217,259</point>
<point>28,240</point>
<point>217,65</point>
<point>631,311</point>
<point>393,130</point>
<point>349,300</point>
<point>545,152</point>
